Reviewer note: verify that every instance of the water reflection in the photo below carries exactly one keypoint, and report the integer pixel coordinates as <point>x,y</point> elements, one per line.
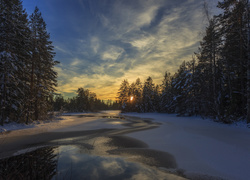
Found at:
<point>38,164</point>
<point>72,164</point>
<point>115,157</point>
<point>96,154</point>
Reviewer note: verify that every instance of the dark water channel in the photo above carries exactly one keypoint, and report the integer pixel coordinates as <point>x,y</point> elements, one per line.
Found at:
<point>98,154</point>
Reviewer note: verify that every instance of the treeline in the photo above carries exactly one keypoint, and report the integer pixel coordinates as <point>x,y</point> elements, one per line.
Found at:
<point>139,97</point>
<point>27,77</point>
<point>215,83</point>
<point>84,101</point>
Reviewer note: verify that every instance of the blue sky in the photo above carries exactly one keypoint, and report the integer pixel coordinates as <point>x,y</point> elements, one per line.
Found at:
<point>102,42</point>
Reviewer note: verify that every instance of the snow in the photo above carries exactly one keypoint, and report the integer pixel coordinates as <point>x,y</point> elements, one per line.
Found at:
<point>91,124</point>
<point>15,126</point>
<point>67,123</point>
<point>26,150</point>
<point>201,146</point>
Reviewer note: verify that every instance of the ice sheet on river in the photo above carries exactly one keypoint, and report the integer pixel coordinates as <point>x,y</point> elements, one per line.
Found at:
<point>200,145</point>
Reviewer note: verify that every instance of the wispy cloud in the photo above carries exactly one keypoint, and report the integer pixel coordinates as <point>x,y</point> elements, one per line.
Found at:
<point>112,53</point>
<point>100,43</point>
<point>95,44</point>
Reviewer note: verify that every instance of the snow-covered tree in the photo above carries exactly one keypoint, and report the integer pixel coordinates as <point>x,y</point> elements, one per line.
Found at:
<point>208,71</point>
<point>233,23</point>
<point>138,95</point>
<point>42,75</point>
<point>14,54</point>
<point>148,95</point>
<point>157,97</point>
<point>123,94</point>
<point>166,100</point>
<point>180,84</point>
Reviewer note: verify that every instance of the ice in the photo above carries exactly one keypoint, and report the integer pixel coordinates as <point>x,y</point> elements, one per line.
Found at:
<point>201,146</point>
<point>70,122</point>
<point>14,126</point>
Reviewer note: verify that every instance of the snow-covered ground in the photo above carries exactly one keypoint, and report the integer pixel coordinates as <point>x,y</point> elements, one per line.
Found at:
<point>68,122</point>
<point>201,145</point>
<point>198,145</point>
<point>15,126</point>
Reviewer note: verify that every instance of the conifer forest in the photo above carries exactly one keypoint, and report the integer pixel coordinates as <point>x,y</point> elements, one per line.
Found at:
<point>27,77</point>
<point>125,89</point>
<point>214,83</point>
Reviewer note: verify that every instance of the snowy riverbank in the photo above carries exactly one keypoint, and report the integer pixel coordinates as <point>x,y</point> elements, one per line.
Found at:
<point>201,145</point>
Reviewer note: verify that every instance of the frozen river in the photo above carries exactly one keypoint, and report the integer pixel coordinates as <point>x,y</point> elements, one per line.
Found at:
<point>109,145</point>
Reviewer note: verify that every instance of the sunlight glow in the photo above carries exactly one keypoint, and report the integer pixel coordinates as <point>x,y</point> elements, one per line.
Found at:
<point>131,98</point>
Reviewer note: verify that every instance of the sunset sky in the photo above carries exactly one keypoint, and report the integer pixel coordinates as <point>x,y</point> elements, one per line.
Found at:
<point>102,42</point>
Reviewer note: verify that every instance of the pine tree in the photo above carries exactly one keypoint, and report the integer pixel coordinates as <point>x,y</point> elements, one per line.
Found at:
<point>157,97</point>
<point>148,96</point>
<point>167,94</point>
<point>138,95</point>
<point>233,22</point>
<point>58,102</point>
<point>92,101</point>
<point>42,76</point>
<point>14,53</point>
<point>82,100</point>
<point>208,69</point>
<point>123,95</point>
<point>180,84</point>
<point>131,94</point>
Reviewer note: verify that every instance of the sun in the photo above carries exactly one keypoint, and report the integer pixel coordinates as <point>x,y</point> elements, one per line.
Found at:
<point>131,98</point>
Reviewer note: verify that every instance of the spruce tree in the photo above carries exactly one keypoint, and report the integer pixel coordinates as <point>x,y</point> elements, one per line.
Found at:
<point>208,69</point>
<point>166,100</point>
<point>157,95</point>
<point>82,99</point>
<point>233,22</point>
<point>138,95</point>
<point>131,94</point>
<point>123,94</point>
<point>180,84</point>
<point>148,95</point>
<point>42,75</point>
<point>14,56</point>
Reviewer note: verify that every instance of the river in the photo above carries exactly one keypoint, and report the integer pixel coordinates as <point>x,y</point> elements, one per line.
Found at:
<point>75,152</point>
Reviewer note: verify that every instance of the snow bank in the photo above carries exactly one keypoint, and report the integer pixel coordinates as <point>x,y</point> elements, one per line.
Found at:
<point>15,126</point>
<point>201,146</point>
<point>66,123</point>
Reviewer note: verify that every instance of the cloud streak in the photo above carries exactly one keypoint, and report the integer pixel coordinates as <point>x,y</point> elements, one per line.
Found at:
<point>100,43</point>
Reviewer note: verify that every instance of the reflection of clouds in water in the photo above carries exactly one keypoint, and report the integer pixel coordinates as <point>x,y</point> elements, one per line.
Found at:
<point>84,166</point>
<point>112,167</point>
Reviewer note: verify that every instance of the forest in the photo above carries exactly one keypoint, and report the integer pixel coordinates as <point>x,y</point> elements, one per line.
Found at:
<point>27,77</point>
<point>84,101</point>
<point>28,80</point>
<point>214,83</point>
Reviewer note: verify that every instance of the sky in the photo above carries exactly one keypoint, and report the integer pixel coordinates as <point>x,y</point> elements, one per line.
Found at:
<point>99,43</point>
